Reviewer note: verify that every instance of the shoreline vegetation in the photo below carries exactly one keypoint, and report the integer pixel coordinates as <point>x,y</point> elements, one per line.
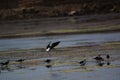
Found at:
<point>30,9</point>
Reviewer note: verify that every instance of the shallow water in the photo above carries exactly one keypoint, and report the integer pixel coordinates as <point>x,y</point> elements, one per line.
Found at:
<point>63,69</point>
<point>66,41</point>
<point>65,72</point>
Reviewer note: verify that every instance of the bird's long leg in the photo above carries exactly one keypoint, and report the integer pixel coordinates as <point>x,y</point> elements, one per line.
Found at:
<point>49,60</point>
<point>48,53</point>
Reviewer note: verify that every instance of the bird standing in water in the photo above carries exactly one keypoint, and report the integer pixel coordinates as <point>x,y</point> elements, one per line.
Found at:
<point>48,66</point>
<point>108,56</point>
<point>48,61</point>
<point>5,63</point>
<point>99,58</point>
<point>20,60</point>
<point>82,63</point>
<point>108,63</point>
<point>49,47</point>
<point>101,63</point>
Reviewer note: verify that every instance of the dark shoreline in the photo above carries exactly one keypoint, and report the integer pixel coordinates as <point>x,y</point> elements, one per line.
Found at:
<point>26,9</point>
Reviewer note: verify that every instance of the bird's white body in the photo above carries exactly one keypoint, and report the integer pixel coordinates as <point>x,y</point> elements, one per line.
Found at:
<point>51,45</point>
<point>48,49</point>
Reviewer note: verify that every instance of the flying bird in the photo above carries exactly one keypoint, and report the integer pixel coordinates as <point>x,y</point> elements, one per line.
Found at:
<point>51,45</point>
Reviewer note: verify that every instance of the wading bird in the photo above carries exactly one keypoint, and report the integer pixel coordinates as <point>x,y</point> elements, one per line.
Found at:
<point>98,58</point>
<point>101,63</point>
<point>5,63</point>
<point>48,61</point>
<point>108,56</point>
<point>48,66</point>
<point>82,63</point>
<point>20,60</point>
<point>108,63</point>
<point>51,45</point>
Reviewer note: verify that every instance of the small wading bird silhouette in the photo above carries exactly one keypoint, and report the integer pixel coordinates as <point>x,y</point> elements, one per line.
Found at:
<point>108,63</point>
<point>48,66</point>
<point>101,63</point>
<point>108,56</point>
<point>20,60</point>
<point>48,48</point>
<point>5,63</point>
<point>51,45</point>
<point>48,61</point>
<point>83,62</point>
<point>98,58</point>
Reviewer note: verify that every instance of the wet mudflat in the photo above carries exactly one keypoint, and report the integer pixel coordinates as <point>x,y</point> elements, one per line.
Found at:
<point>63,71</point>
<point>64,63</point>
<point>65,60</point>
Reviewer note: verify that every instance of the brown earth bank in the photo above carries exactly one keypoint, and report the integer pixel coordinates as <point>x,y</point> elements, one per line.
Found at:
<point>25,9</point>
<point>60,25</point>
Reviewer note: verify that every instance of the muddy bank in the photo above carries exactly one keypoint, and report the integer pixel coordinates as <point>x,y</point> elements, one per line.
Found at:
<point>29,9</point>
<point>60,25</point>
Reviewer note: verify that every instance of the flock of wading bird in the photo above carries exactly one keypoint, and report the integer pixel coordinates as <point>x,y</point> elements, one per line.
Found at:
<point>99,59</point>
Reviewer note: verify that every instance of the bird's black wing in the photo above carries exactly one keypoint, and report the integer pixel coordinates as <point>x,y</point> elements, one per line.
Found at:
<point>55,44</point>
<point>48,46</point>
<point>81,62</point>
